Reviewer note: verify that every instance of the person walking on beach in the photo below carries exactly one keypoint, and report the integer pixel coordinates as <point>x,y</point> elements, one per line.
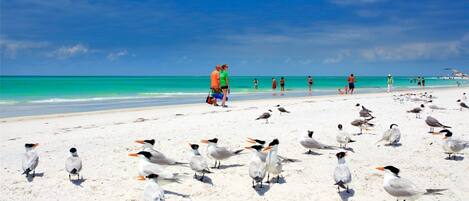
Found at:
<point>390,82</point>
<point>215,83</point>
<point>274,86</point>
<point>351,83</point>
<point>310,85</point>
<point>282,85</point>
<point>256,83</point>
<point>224,84</point>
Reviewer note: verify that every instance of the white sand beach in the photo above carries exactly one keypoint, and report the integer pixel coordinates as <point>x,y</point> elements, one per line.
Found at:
<point>104,139</point>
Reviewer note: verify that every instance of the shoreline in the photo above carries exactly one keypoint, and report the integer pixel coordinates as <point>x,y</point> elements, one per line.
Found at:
<point>271,97</point>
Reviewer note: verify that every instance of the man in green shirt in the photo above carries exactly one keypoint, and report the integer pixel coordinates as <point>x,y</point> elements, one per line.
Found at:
<point>224,84</point>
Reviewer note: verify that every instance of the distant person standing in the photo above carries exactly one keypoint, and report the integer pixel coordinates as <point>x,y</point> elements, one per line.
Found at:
<point>351,83</point>
<point>224,84</point>
<point>274,86</point>
<point>419,81</point>
<point>310,85</point>
<point>256,83</point>
<point>390,82</point>
<point>423,82</point>
<point>215,83</point>
<point>282,85</point>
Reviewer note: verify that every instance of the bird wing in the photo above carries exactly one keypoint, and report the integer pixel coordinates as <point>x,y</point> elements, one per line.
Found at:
<point>400,187</point>
<point>257,169</point>
<point>342,173</point>
<point>311,143</point>
<point>198,163</point>
<point>30,160</point>
<point>73,163</point>
<point>386,135</point>
<point>222,153</point>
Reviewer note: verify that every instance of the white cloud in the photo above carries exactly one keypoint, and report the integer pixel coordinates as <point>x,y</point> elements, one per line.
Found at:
<point>115,55</point>
<point>70,51</point>
<point>11,48</point>
<point>338,58</point>
<point>415,51</point>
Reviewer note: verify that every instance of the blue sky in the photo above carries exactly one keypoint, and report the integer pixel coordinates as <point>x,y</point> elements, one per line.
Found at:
<point>138,37</point>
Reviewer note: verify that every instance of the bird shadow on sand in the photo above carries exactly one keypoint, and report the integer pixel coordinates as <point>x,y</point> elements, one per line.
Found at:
<point>393,145</point>
<point>78,182</point>
<point>229,166</point>
<point>345,196</point>
<point>312,153</point>
<point>30,178</point>
<point>206,180</point>
<point>455,158</point>
<point>261,191</point>
<point>176,194</point>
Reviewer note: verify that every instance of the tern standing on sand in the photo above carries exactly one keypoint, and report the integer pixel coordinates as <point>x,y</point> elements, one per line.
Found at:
<point>342,176</point>
<point>218,153</point>
<point>274,164</point>
<point>391,136</point>
<point>451,145</point>
<point>73,164</point>
<point>343,138</point>
<point>309,143</point>
<point>156,156</point>
<point>146,167</point>
<point>401,188</point>
<point>198,162</point>
<point>257,165</point>
<point>434,123</point>
<point>30,159</point>
<point>152,190</point>
<point>462,105</point>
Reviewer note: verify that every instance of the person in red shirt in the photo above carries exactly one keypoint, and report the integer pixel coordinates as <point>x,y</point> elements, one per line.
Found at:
<point>351,83</point>
<point>274,85</point>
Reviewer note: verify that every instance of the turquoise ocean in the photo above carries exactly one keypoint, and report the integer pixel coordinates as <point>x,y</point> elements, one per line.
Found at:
<point>35,95</point>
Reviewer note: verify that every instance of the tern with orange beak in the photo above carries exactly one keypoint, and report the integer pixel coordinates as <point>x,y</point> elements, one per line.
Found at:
<point>146,167</point>
<point>198,162</point>
<point>30,159</point>
<point>401,188</point>
<point>73,164</point>
<point>273,162</point>
<point>156,156</point>
<point>257,165</point>
<point>452,146</point>
<point>218,153</point>
<point>342,176</point>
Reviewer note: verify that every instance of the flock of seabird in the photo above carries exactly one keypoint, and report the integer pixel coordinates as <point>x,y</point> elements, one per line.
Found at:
<point>265,160</point>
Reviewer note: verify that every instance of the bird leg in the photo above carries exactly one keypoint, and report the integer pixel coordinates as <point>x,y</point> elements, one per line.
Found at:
<point>69,177</point>
<point>215,166</point>
<point>219,163</point>
<point>261,185</point>
<point>268,176</point>
<point>34,173</point>
<point>347,190</point>
<point>253,186</point>
<point>278,178</point>
<point>338,189</point>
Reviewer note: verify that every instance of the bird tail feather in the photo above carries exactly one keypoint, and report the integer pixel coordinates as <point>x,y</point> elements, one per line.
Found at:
<point>434,191</point>
<point>238,151</point>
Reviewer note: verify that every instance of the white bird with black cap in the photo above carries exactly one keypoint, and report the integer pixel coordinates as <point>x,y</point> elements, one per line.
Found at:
<point>198,163</point>
<point>257,165</point>
<point>401,188</point>
<point>73,164</point>
<point>156,156</point>
<point>343,138</point>
<point>452,146</point>
<point>218,153</point>
<point>342,175</point>
<point>391,136</point>
<point>30,159</point>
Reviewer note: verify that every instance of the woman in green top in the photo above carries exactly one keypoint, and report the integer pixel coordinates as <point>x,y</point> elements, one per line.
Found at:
<point>224,84</point>
<point>390,82</point>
